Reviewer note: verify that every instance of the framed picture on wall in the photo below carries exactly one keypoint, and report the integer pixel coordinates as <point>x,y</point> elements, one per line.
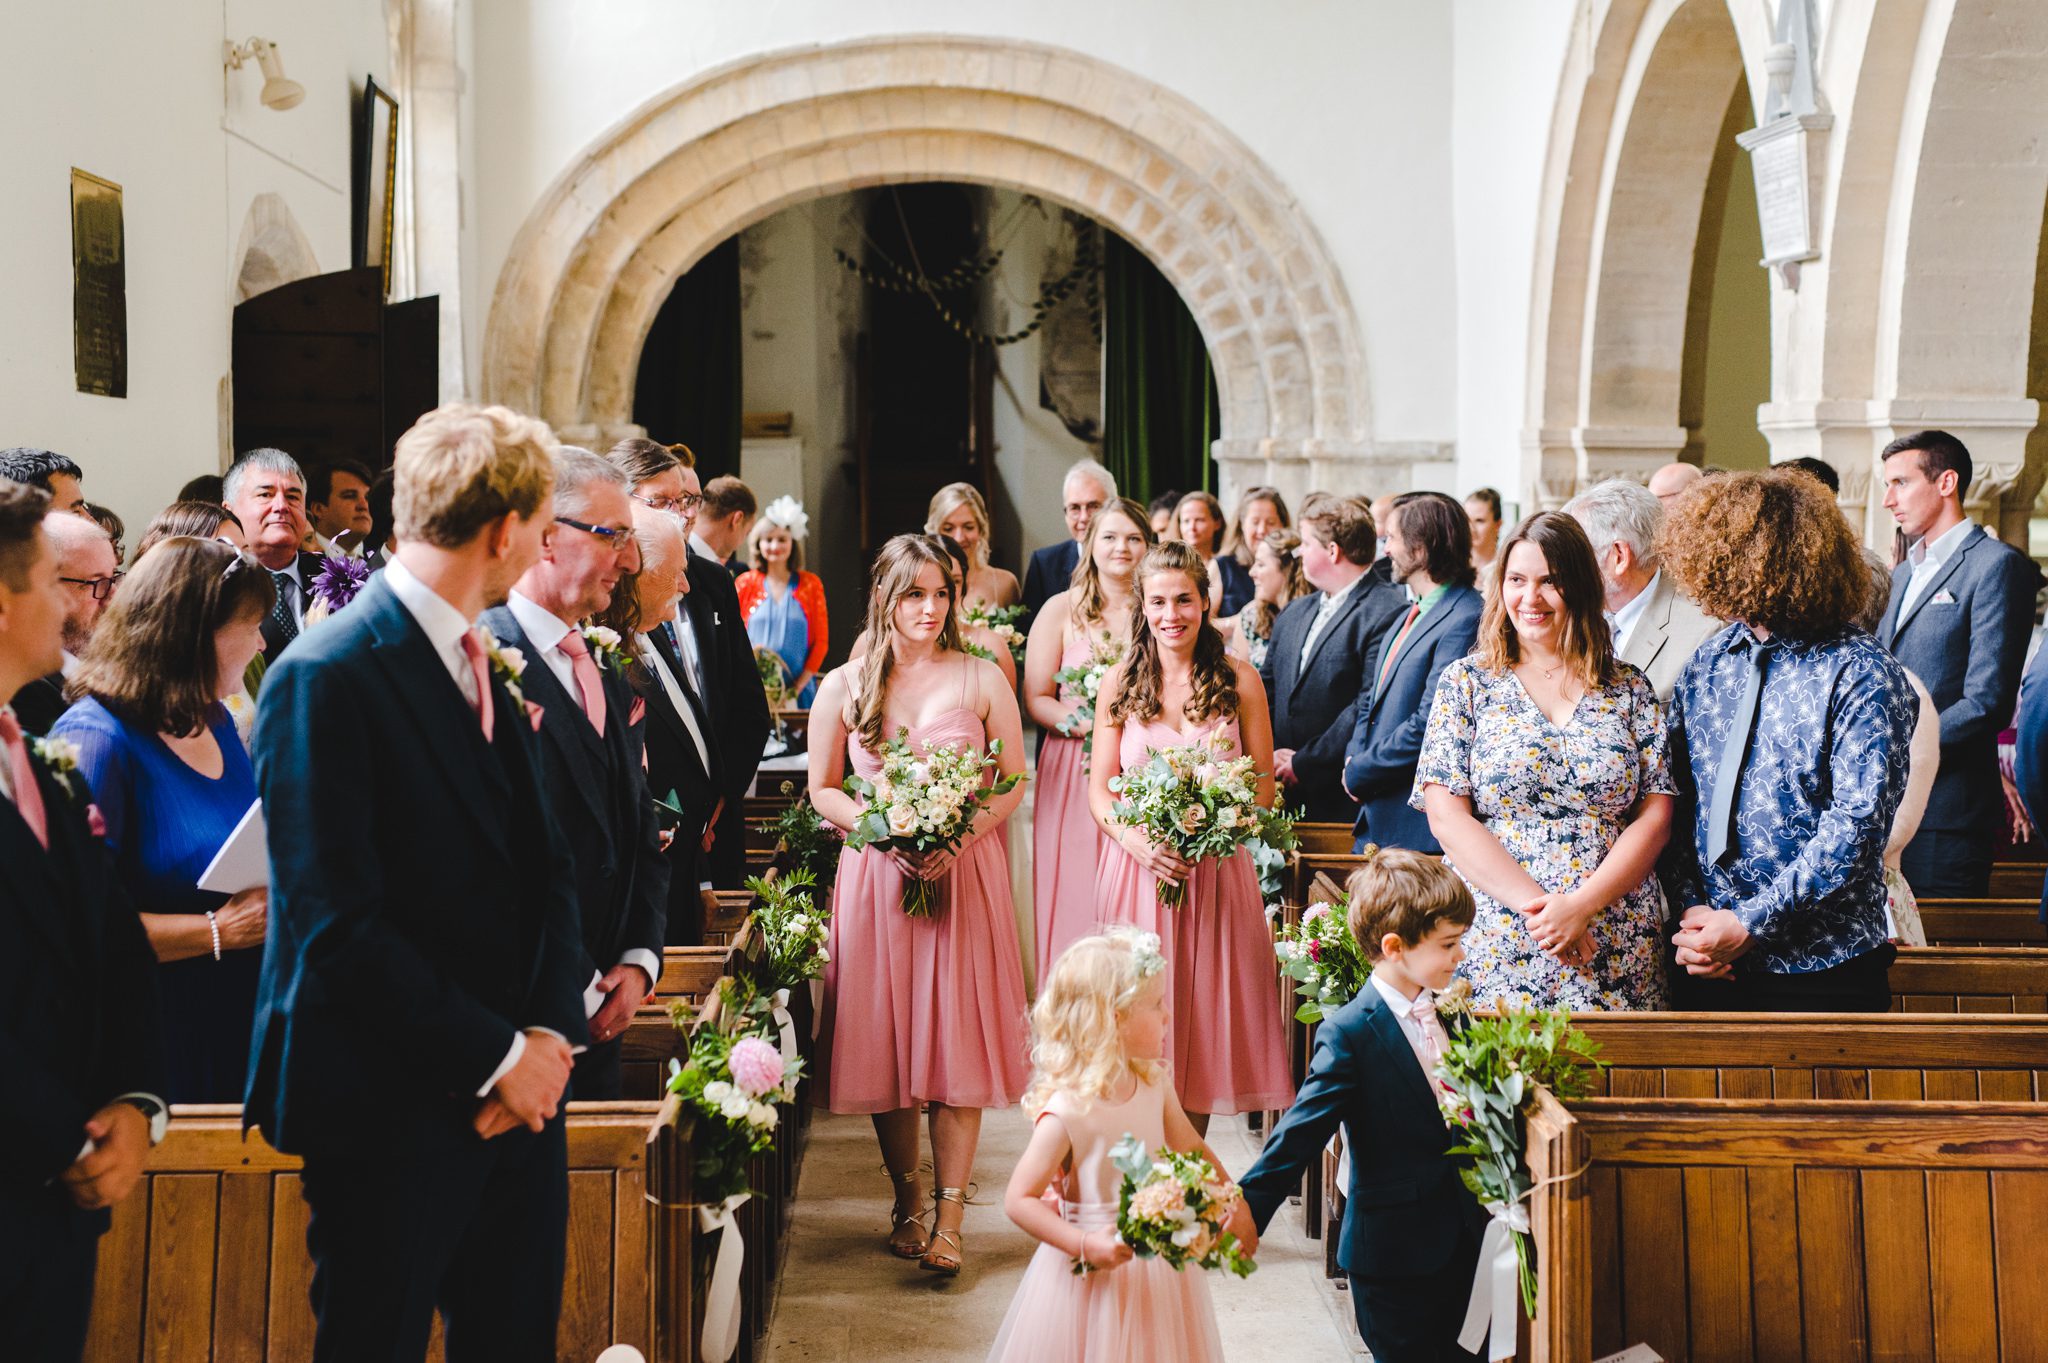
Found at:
<point>376,178</point>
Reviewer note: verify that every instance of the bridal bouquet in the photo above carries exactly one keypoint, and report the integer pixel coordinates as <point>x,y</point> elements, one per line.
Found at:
<point>1174,1206</point>
<point>1199,804</point>
<point>1084,680</point>
<point>1000,621</point>
<point>924,804</point>
<point>1323,958</point>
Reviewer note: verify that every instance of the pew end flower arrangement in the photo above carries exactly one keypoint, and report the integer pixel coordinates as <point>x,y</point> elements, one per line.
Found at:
<point>724,1096</point>
<point>1174,1205</point>
<point>804,841</point>
<point>1200,803</point>
<point>793,930</point>
<point>775,677</point>
<point>924,804</point>
<point>1324,960</point>
<point>1486,1084</point>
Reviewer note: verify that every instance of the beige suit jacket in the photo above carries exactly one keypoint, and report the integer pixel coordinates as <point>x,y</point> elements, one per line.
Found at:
<point>1666,635</point>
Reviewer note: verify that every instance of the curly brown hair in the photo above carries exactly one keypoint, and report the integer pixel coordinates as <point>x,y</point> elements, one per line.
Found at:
<point>1213,683</point>
<point>1766,548</point>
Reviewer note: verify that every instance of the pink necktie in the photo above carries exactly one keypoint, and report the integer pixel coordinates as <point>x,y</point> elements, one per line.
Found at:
<point>584,668</point>
<point>28,796</point>
<point>480,668</point>
<point>1422,1008</point>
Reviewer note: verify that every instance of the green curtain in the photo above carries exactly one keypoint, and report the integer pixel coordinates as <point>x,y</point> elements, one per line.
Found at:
<point>1158,390</point>
<point>688,388</point>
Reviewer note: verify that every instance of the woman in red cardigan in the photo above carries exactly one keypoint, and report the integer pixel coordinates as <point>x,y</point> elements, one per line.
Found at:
<point>784,606</point>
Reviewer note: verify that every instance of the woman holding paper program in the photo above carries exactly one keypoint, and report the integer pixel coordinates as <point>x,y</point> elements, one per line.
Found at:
<point>160,756</point>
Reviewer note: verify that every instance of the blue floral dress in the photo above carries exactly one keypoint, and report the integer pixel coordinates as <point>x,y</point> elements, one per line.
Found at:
<point>1557,798</point>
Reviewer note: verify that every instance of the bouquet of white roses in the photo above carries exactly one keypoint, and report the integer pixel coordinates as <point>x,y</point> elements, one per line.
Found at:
<point>1084,680</point>
<point>1198,803</point>
<point>1323,958</point>
<point>924,804</point>
<point>1000,621</point>
<point>1174,1206</point>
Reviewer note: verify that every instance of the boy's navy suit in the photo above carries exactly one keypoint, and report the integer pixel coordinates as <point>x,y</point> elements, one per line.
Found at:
<point>1410,1239</point>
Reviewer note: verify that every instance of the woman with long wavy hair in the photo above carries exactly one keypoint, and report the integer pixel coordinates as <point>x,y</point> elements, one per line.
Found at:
<point>959,513</point>
<point>1089,622</point>
<point>1178,687</point>
<point>929,1010</point>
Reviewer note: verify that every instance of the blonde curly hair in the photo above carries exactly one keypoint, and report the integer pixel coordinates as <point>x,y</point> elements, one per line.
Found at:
<point>1076,1038</point>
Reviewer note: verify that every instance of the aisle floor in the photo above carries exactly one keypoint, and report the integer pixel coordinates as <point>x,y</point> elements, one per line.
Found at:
<point>844,1299</point>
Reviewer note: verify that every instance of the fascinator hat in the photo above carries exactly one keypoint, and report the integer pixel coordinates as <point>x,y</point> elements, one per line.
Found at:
<point>789,513</point>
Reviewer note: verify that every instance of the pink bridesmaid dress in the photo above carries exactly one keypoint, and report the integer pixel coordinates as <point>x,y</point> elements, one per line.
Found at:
<point>923,1009</point>
<point>1137,1312</point>
<point>1066,843</point>
<point>1227,1040</point>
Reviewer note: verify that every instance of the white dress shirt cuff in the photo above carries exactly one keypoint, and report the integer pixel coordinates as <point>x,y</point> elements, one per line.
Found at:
<point>91,1145</point>
<point>647,961</point>
<point>593,997</point>
<point>505,1065</point>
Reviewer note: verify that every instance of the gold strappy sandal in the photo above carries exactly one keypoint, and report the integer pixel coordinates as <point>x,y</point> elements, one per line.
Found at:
<point>907,1249</point>
<point>934,1261</point>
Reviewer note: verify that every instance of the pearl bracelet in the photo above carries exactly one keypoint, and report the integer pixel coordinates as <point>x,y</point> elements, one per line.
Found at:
<point>213,923</point>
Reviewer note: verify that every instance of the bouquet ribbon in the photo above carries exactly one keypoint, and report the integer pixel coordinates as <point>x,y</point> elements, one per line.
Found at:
<point>722,1303</point>
<point>778,1008</point>
<point>1495,1283</point>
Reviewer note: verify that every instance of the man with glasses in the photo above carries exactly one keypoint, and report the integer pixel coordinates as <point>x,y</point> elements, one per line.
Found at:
<point>1088,488</point>
<point>592,749</point>
<point>87,573</point>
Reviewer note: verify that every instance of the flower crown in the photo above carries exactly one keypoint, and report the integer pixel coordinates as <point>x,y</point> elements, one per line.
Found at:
<point>789,513</point>
<point>1145,954</point>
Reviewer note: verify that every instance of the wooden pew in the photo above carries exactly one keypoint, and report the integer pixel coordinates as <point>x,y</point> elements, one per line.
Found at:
<point>2017,879</point>
<point>208,1258</point>
<point>1970,980</point>
<point>1735,1229</point>
<point>721,927</point>
<point>1323,839</point>
<point>1983,922</point>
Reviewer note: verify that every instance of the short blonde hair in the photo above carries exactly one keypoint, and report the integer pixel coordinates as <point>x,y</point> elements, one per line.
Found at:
<point>969,496</point>
<point>1407,894</point>
<point>1076,1045</point>
<point>464,465</point>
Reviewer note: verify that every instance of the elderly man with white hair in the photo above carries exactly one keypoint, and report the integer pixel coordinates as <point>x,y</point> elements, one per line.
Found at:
<point>1088,488</point>
<point>1654,627</point>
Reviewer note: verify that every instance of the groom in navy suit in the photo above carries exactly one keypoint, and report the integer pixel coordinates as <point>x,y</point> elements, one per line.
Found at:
<point>422,987</point>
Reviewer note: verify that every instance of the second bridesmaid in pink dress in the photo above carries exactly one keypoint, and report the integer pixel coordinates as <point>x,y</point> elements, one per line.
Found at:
<point>1178,687</point>
<point>1091,620</point>
<point>919,1011</point>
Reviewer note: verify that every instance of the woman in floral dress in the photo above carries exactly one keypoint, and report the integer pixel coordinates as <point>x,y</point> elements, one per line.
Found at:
<point>1546,776</point>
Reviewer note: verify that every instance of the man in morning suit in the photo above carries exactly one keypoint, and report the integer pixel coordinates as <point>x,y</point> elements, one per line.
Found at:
<point>1429,543</point>
<point>82,1109</point>
<point>1961,612</point>
<point>683,764</point>
<point>1088,488</point>
<point>1654,627</point>
<point>1316,665</point>
<point>423,975</point>
<point>591,750</point>
<point>87,572</point>
<point>266,489</point>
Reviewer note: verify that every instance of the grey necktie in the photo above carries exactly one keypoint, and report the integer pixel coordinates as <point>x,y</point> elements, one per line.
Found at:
<point>281,613</point>
<point>1734,749</point>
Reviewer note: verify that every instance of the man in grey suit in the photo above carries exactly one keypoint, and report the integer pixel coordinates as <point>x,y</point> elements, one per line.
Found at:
<point>1316,665</point>
<point>1654,627</point>
<point>1962,608</point>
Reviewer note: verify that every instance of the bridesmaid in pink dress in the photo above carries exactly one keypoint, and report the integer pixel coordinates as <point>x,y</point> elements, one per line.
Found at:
<point>1178,687</point>
<point>919,1010</point>
<point>1091,618</point>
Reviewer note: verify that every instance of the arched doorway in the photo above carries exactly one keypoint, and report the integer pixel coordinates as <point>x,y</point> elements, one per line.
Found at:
<point>596,257</point>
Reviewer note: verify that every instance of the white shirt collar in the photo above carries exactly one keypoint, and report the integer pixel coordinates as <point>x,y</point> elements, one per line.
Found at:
<point>1331,600</point>
<point>69,665</point>
<point>1932,555</point>
<point>703,550</point>
<point>1393,997</point>
<point>441,622</point>
<point>1622,621</point>
<point>544,629</point>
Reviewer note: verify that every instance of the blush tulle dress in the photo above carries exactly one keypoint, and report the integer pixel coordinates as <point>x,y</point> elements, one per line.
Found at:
<point>1138,1312</point>
<point>1066,842</point>
<point>1227,1040</point>
<point>923,1009</point>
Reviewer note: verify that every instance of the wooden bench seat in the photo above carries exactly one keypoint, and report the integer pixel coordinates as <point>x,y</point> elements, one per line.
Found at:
<point>1970,980</point>
<point>1736,1229</point>
<point>2017,879</point>
<point>1983,922</point>
<point>208,1258</point>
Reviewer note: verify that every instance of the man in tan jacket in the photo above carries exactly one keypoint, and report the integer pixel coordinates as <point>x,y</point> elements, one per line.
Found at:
<point>1654,627</point>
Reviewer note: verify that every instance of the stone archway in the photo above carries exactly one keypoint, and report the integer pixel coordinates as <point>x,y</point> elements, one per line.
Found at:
<point>596,257</point>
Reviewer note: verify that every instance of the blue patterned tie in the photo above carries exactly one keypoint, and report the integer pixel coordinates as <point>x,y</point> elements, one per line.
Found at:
<point>1728,776</point>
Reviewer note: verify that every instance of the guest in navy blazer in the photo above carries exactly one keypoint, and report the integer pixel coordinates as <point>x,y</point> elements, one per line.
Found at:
<point>423,974</point>
<point>1410,1239</point>
<point>1961,612</point>
<point>1316,667</point>
<point>1429,540</point>
<point>1088,488</point>
<point>82,1072</point>
<point>592,748</point>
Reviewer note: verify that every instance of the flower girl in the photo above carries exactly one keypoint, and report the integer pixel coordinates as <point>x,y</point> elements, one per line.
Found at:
<point>1099,1033</point>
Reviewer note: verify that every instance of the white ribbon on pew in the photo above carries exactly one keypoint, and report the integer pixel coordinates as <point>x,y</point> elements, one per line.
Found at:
<point>779,1010</point>
<point>722,1307</point>
<point>1496,1283</point>
<point>1342,1151</point>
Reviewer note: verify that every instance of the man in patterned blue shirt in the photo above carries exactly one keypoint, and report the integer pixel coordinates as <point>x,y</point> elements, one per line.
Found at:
<point>1789,733</point>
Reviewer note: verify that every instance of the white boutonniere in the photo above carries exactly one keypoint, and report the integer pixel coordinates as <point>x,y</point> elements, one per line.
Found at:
<point>605,646</point>
<point>1455,999</point>
<point>60,755</point>
<point>508,664</point>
